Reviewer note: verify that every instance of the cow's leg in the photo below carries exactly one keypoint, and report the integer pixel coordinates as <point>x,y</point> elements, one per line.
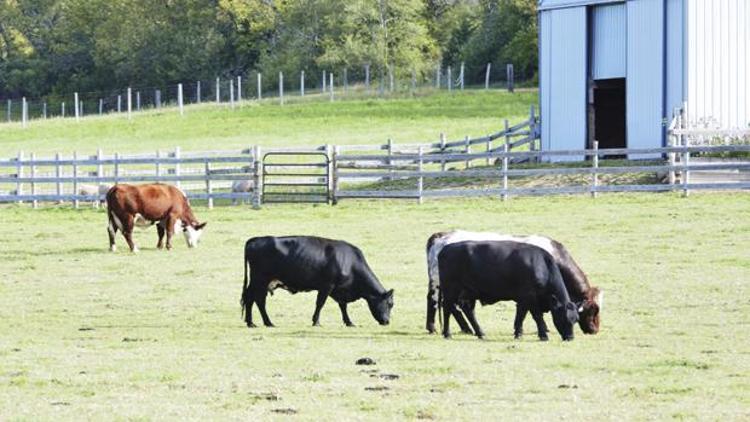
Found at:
<point>169,227</point>
<point>468,307</point>
<point>259,295</point>
<point>247,300</point>
<point>160,230</point>
<point>111,231</point>
<point>521,311</point>
<point>465,328</point>
<point>431,311</point>
<point>345,314</point>
<point>319,302</point>
<point>127,233</point>
<point>449,303</point>
<point>541,326</point>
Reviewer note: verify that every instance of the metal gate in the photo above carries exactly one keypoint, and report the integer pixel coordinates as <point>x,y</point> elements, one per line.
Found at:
<point>296,177</point>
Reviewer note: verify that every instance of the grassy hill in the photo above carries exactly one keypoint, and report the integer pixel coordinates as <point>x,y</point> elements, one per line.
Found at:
<point>212,127</point>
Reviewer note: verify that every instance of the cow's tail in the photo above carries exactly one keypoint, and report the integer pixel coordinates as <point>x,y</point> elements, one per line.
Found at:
<point>246,265</point>
<point>440,309</point>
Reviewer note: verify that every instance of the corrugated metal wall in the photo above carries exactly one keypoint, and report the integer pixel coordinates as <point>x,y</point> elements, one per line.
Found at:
<point>645,88</point>
<point>563,78</point>
<point>609,41</point>
<point>718,63</point>
<point>675,56</point>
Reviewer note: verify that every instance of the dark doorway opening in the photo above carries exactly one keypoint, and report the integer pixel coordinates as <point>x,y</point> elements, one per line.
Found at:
<point>609,127</point>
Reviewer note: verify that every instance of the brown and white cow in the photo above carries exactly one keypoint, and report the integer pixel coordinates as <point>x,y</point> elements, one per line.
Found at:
<point>166,206</point>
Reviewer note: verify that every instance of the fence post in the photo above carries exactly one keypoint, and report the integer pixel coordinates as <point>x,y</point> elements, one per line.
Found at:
<point>532,131</point>
<point>450,79</point>
<point>672,161</point>
<point>260,87</point>
<point>76,202</point>
<point>117,167</point>
<point>442,150</point>
<point>504,195</point>
<point>101,106</point>
<point>462,76</point>
<point>329,170</point>
<point>281,88</point>
<point>487,76</point>
<point>390,155</point>
<point>158,165</point>
<point>34,202</point>
<point>177,165</point>
<point>330,84</point>
<point>325,87</point>
<point>99,166</point>
<point>58,176</point>
<point>239,88</point>
<point>488,149</point>
<point>81,107</point>
<point>180,103</point>
<point>19,174</point>
<point>507,132</point>
<point>62,109</point>
<point>157,98</point>
<point>24,111</point>
<point>367,77</point>
<point>130,103</point>
<point>510,76</point>
<point>231,93</point>
<point>218,91</point>
<point>334,174</point>
<point>209,190</point>
<point>302,83</point>
<point>257,178</point>
<point>44,110</point>
<point>420,180</point>
<point>75,101</point>
<point>119,103</point>
<point>198,92</point>
<point>594,175</point>
<point>467,150</point>
<point>138,100</point>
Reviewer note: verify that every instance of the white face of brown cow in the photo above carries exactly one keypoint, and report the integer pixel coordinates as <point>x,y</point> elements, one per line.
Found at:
<point>192,233</point>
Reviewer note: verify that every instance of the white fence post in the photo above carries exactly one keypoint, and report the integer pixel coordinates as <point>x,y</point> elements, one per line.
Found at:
<point>487,76</point>
<point>324,88</point>
<point>119,104</point>
<point>390,155</point>
<point>76,202</point>
<point>130,103</point>
<point>467,150</point>
<point>19,174</point>
<point>442,151</point>
<point>180,103</point>
<point>117,167</point>
<point>62,109</point>
<point>209,190</point>
<point>449,76</point>
<point>58,176</point>
<point>257,178</point>
<point>672,161</point>
<point>198,92</point>
<point>420,180</point>
<point>231,93</point>
<point>24,112</point>
<point>488,149</point>
<point>34,202</point>
<point>461,76</point>
<point>505,172</point>
<point>44,110</point>
<point>157,98</point>
<point>75,101</point>
<point>101,106</point>
<point>302,84</point>
<point>80,104</point>
<point>158,164</point>
<point>511,76</point>
<point>334,175</point>
<point>239,88</point>
<point>218,91</point>
<point>594,175</point>
<point>260,86</point>
<point>138,100</point>
<point>177,165</point>
<point>507,132</point>
<point>281,88</point>
<point>685,172</point>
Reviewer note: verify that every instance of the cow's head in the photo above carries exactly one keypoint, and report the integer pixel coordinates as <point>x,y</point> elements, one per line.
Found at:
<point>564,316</point>
<point>380,307</point>
<point>589,310</point>
<point>192,232</point>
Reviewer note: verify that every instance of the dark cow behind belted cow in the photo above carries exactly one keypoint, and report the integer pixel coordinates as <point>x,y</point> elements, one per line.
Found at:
<point>589,299</point>
<point>492,271</point>
<point>305,263</point>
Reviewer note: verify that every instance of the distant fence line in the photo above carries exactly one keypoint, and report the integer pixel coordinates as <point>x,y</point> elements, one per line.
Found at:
<point>252,86</point>
<point>390,170</point>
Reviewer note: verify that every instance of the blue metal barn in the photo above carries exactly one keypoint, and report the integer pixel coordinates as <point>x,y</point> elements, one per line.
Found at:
<point>610,70</point>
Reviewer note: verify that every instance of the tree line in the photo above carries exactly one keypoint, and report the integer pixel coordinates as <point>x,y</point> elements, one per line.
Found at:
<point>54,47</point>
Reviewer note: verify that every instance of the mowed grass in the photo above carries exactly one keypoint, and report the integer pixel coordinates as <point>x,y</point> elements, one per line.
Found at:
<point>211,127</point>
<point>87,334</point>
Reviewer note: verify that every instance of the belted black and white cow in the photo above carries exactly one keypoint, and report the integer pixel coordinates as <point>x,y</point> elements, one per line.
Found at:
<point>305,263</point>
<point>588,298</point>
<point>493,271</point>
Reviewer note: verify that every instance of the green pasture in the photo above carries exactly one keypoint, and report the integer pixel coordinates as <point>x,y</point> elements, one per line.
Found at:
<point>298,123</point>
<point>89,334</point>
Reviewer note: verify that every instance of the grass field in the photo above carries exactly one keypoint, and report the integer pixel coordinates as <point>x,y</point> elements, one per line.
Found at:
<point>87,334</point>
<point>211,127</point>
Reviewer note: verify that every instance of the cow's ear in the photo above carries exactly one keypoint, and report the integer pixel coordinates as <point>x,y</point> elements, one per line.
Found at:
<point>200,226</point>
<point>389,293</point>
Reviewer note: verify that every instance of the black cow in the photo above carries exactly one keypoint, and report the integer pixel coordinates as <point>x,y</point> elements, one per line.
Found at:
<point>304,263</point>
<point>491,271</point>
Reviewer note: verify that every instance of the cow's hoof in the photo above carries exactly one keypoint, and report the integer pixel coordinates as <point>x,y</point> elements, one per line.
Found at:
<point>351,324</point>
<point>113,248</point>
<point>270,325</point>
<point>447,336</point>
<point>135,250</point>
<point>518,336</point>
<point>545,338</point>
<point>568,338</point>
<point>481,336</point>
<point>430,329</point>
<point>251,325</point>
